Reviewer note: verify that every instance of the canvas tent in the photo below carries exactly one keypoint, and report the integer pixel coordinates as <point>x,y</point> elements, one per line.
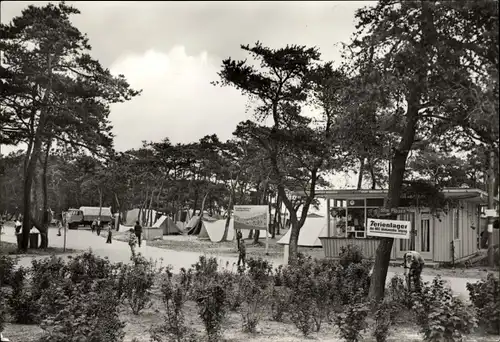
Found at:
<point>215,230</point>
<point>311,231</point>
<point>168,226</point>
<point>133,215</point>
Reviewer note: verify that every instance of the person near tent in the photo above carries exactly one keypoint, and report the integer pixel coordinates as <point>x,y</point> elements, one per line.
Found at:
<point>110,233</point>
<point>413,264</point>
<point>138,232</point>
<point>242,253</point>
<point>132,241</point>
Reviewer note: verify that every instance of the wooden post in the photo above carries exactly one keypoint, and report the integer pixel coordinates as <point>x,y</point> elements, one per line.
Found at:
<point>328,217</point>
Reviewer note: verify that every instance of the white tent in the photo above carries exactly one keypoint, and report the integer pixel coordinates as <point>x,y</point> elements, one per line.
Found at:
<point>215,230</point>
<point>133,215</point>
<point>169,227</point>
<point>311,231</point>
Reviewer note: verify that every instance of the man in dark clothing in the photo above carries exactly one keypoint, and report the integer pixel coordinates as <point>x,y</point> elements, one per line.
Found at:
<point>138,232</point>
<point>239,237</point>
<point>242,253</point>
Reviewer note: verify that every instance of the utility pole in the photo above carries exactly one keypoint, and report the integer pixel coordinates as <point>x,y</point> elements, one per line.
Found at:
<point>491,207</point>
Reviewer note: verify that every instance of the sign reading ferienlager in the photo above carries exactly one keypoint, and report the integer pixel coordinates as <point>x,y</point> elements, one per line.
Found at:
<point>388,228</point>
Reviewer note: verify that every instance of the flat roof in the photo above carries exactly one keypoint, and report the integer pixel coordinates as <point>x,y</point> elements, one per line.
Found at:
<point>474,195</point>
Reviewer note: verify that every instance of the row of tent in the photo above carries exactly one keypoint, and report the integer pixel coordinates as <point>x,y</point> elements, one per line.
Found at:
<point>209,228</point>
<point>213,229</point>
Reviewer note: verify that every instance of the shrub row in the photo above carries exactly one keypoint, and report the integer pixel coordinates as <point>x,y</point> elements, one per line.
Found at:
<point>81,298</point>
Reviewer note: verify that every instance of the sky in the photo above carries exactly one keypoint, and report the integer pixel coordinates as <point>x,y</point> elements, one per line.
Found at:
<point>173,50</point>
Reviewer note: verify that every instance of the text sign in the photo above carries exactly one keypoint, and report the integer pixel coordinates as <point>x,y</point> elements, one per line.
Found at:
<point>388,228</point>
<point>490,213</point>
<point>251,217</point>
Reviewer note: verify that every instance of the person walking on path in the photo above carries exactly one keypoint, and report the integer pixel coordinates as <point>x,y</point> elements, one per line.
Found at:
<point>110,233</point>
<point>132,241</point>
<point>242,253</point>
<point>93,225</point>
<point>59,226</point>
<point>138,232</point>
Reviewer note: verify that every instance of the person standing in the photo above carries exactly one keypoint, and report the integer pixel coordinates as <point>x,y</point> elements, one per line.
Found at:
<point>110,233</point>
<point>93,225</point>
<point>17,226</point>
<point>59,226</point>
<point>132,241</point>
<point>242,253</point>
<point>138,232</point>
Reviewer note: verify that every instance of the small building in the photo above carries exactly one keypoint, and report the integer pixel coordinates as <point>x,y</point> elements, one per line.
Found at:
<point>451,236</point>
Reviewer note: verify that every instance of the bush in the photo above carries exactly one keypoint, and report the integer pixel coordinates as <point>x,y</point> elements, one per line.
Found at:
<point>3,309</point>
<point>254,295</point>
<point>205,267</point>
<point>173,327</point>
<point>85,315</point>
<point>350,254</point>
<point>138,279</point>
<point>86,267</point>
<point>23,308</point>
<point>45,272</point>
<point>7,265</point>
<point>280,302</point>
<point>210,297</point>
<point>352,321</point>
<point>260,270</point>
<point>441,316</point>
<point>485,296</point>
<point>384,319</point>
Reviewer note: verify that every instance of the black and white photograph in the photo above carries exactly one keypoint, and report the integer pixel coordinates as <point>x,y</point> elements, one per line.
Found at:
<point>249,171</point>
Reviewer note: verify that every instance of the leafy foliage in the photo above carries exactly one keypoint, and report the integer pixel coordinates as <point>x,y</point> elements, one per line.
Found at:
<point>441,316</point>
<point>485,296</point>
<point>137,281</point>
<point>7,266</point>
<point>92,315</point>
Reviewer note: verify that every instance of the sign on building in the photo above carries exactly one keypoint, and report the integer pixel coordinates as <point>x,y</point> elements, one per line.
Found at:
<point>388,228</point>
<point>251,217</point>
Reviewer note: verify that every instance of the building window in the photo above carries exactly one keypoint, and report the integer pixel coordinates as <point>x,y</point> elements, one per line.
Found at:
<point>425,236</point>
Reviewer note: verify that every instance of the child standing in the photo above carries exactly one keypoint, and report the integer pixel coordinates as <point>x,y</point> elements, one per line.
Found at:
<point>132,241</point>
<point>109,233</point>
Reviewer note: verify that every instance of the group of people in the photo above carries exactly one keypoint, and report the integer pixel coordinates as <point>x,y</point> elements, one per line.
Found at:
<point>135,237</point>
<point>97,226</point>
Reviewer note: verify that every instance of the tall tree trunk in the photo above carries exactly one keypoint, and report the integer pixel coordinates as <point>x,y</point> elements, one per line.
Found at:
<point>383,253</point>
<point>372,174</point>
<point>276,217</point>
<point>119,207</point>
<point>232,195</point>
<point>150,210</point>
<point>44,236</point>
<point>99,191</point>
<point>361,172</point>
